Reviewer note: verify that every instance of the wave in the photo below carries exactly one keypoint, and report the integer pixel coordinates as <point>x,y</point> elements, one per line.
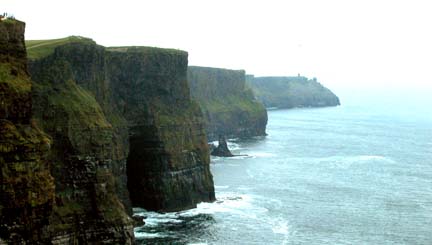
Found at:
<point>262,154</point>
<point>233,205</point>
<point>348,161</point>
<point>221,186</point>
<point>147,235</point>
<point>226,202</point>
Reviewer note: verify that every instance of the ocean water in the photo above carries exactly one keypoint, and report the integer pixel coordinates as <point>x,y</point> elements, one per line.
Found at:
<point>341,175</point>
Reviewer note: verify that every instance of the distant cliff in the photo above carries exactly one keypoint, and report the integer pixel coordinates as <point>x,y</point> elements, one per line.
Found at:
<point>289,92</point>
<point>122,131</point>
<point>229,107</point>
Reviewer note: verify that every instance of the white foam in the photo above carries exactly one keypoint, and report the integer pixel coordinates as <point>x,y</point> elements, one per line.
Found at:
<point>262,154</point>
<point>347,161</point>
<point>154,219</point>
<point>140,235</point>
<point>233,146</point>
<point>216,159</point>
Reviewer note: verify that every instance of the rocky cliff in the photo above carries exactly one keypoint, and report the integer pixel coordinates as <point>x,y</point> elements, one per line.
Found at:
<point>229,107</point>
<point>168,165</point>
<point>290,92</point>
<point>26,185</point>
<point>89,149</point>
<point>121,127</point>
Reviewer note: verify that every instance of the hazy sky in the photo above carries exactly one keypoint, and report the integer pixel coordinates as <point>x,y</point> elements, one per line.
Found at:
<point>345,44</point>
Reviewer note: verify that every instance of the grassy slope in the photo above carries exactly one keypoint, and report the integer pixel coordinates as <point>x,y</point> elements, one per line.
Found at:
<point>37,49</point>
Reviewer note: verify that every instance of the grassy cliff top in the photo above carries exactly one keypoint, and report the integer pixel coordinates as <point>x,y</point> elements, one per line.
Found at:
<point>146,50</point>
<point>10,21</point>
<point>37,49</point>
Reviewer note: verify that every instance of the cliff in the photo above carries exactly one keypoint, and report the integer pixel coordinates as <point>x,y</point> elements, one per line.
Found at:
<point>89,150</point>
<point>229,107</point>
<point>122,131</point>
<point>26,185</point>
<point>290,92</point>
<point>168,165</point>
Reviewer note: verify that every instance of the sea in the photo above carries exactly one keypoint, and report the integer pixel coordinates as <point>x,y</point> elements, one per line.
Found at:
<point>359,173</point>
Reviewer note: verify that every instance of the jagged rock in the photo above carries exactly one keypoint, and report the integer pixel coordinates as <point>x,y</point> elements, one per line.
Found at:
<point>229,107</point>
<point>290,92</point>
<point>222,149</point>
<point>138,220</point>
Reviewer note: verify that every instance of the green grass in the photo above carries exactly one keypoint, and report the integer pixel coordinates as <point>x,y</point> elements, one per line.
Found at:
<point>76,102</point>
<point>20,84</point>
<point>37,49</point>
<point>9,20</point>
<point>146,50</point>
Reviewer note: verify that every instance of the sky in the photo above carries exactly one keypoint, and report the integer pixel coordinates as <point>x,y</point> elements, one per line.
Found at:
<point>350,46</point>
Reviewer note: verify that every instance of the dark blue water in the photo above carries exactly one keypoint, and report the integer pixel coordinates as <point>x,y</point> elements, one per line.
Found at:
<point>344,175</point>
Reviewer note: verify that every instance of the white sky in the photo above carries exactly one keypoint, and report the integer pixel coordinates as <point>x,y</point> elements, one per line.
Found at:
<point>347,45</point>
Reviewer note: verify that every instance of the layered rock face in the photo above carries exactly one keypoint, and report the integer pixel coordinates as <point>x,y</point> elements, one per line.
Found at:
<point>290,92</point>
<point>168,165</point>
<point>138,104</point>
<point>26,185</point>
<point>90,146</point>
<point>229,107</point>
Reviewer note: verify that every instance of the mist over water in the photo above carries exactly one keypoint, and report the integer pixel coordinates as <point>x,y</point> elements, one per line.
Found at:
<point>360,173</point>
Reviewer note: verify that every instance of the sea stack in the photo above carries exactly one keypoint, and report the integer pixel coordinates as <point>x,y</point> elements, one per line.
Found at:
<point>222,149</point>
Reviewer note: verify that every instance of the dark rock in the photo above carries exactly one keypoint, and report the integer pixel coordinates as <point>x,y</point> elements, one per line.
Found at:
<point>168,164</point>
<point>222,149</point>
<point>138,220</point>
<point>26,184</point>
<point>211,146</point>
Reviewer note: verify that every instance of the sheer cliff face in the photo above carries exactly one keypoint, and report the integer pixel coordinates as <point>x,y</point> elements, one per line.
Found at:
<point>168,164</point>
<point>289,92</point>
<point>26,185</point>
<point>229,107</point>
<point>89,150</point>
<point>124,115</point>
